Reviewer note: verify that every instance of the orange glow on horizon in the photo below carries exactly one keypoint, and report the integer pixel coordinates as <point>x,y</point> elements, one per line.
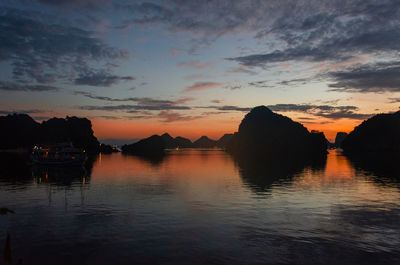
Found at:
<point>214,129</point>
<point>192,130</point>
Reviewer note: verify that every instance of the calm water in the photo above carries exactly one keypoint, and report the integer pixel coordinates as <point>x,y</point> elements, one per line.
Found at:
<point>201,207</point>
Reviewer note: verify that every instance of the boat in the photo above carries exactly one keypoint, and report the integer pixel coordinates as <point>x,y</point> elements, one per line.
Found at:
<point>58,154</point>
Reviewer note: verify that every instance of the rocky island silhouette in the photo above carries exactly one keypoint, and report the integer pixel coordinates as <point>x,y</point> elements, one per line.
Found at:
<point>262,134</point>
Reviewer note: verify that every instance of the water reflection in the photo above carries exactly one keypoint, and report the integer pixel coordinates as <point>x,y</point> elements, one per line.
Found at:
<point>261,175</point>
<point>202,207</point>
<point>17,169</point>
<point>383,166</point>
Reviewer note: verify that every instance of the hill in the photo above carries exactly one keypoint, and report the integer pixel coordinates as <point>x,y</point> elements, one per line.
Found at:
<point>263,133</point>
<point>21,131</point>
<point>151,146</point>
<point>224,140</point>
<point>177,142</point>
<point>204,142</point>
<point>379,133</point>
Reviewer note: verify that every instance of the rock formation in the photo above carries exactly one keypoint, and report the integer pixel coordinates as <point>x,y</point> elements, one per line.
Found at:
<point>265,134</point>
<point>204,142</point>
<point>379,133</point>
<point>340,136</point>
<point>21,131</point>
<point>151,146</point>
<point>224,140</point>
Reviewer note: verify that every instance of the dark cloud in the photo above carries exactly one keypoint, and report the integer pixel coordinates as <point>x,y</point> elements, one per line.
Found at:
<point>140,101</point>
<point>170,116</point>
<point>297,81</point>
<point>129,108</point>
<point>309,107</point>
<point>330,30</point>
<point>108,117</point>
<point>225,108</point>
<point>233,87</point>
<point>101,78</point>
<point>379,77</point>
<point>261,84</point>
<point>13,86</point>
<point>81,4</point>
<point>42,50</point>
<point>234,108</point>
<point>25,111</point>
<point>326,111</point>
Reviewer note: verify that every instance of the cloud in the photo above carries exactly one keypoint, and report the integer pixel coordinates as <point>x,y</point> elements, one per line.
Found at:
<point>13,86</point>
<point>197,64</point>
<point>326,111</point>
<point>242,69</point>
<point>40,49</point>
<point>233,87</point>
<point>25,111</point>
<point>379,77</point>
<point>261,84</point>
<point>129,108</point>
<point>297,81</point>
<point>169,116</point>
<point>234,108</point>
<point>329,31</point>
<point>225,108</point>
<point>108,117</point>
<point>183,100</point>
<point>201,86</point>
<point>81,4</point>
<point>101,78</point>
<point>140,101</point>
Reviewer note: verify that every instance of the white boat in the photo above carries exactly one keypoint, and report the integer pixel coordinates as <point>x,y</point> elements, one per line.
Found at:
<point>58,154</point>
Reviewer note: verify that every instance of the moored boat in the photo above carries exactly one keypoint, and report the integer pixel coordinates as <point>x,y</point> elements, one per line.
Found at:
<point>58,154</point>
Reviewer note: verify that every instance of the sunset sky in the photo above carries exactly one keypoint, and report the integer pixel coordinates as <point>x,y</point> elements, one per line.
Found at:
<point>192,68</point>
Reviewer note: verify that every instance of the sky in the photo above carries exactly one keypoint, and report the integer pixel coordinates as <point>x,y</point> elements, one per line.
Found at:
<point>193,68</point>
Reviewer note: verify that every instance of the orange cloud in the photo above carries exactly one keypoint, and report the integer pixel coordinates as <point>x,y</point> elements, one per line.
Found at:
<point>201,86</point>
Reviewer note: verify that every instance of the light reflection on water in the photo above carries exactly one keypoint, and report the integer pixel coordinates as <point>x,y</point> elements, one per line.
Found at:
<point>201,207</point>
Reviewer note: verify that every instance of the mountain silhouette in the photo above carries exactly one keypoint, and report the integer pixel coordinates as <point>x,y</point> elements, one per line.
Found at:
<point>182,142</point>
<point>204,142</point>
<point>21,131</point>
<point>151,146</point>
<point>340,136</point>
<point>77,130</point>
<point>169,141</point>
<point>224,140</point>
<point>379,133</point>
<point>18,131</point>
<point>263,133</point>
<point>178,142</point>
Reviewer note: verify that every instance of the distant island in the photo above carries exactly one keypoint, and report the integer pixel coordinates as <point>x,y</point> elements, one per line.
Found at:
<point>262,134</point>
<point>265,134</point>
<point>156,144</point>
<point>380,133</point>
<point>20,131</point>
<point>340,136</point>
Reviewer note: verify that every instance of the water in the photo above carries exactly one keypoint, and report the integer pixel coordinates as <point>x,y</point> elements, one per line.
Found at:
<point>202,207</point>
